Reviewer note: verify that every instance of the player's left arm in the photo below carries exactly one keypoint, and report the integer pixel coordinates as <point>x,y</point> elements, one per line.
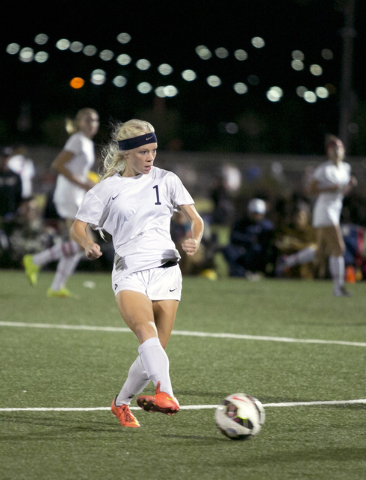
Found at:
<point>191,245</point>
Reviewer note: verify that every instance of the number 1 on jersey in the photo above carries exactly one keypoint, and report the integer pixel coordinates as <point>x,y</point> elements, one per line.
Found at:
<point>157,195</point>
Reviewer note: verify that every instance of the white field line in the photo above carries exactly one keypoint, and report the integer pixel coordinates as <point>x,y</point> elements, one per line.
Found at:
<point>184,333</point>
<point>189,407</point>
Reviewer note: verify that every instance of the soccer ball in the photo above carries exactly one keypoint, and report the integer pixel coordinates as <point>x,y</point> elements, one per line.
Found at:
<point>240,416</point>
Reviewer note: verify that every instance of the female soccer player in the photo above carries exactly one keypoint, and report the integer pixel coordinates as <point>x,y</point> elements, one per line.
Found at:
<point>73,165</point>
<point>134,202</point>
<point>331,181</point>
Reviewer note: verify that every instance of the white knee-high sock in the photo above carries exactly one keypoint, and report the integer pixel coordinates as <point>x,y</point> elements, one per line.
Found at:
<point>56,252</point>
<point>137,380</point>
<point>156,364</point>
<point>306,255</point>
<point>65,268</point>
<point>337,270</point>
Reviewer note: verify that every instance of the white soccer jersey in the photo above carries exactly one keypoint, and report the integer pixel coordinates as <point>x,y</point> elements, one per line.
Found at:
<point>25,168</point>
<point>136,211</point>
<point>80,164</point>
<point>328,206</point>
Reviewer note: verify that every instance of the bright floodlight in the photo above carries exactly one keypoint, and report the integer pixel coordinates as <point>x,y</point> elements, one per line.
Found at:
<point>144,87</point>
<point>106,55</point>
<point>213,81</point>
<point>203,52</point>
<point>124,38</point>
<point>12,48</point>
<point>221,52</point>
<point>124,59</point>
<point>258,42</point>
<point>165,69</point>
<point>278,90</point>
<point>98,76</point>
<point>41,57</point>
<point>327,54</point>
<point>90,50</point>
<point>76,47</point>
<point>274,94</point>
<point>297,65</point>
<point>301,91</point>
<point>310,97</point>
<point>119,81</point>
<point>170,91</point>
<point>26,54</point>
<point>297,55</point>
<point>189,75</point>
<point>240,88</point>
<point>159,92</point>
<point>63,44</point>
<point>316,69</point>
<point>41,39</point>
<point>232,128</point>
<point>322,92</point>
<point>240,54</point>
<point>143,64</point>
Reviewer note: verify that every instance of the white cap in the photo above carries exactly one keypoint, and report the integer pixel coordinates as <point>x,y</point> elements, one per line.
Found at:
<point>257,205</point>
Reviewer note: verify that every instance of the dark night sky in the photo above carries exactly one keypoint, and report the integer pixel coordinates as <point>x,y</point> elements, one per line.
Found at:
<point>168,32</point>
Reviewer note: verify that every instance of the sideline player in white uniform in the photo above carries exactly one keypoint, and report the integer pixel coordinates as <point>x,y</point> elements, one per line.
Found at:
<point>134,202</point>
<point>331,181</point>
<point>24,167</point>
<point>73,165</point>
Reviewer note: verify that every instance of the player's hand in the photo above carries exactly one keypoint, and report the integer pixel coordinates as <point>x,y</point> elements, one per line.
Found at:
<point>92,251</point>
<point>353,181</point>
<point>190,246</point>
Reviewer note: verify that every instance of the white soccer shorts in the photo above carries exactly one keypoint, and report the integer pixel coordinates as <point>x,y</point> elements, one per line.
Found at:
<point>156,283</point>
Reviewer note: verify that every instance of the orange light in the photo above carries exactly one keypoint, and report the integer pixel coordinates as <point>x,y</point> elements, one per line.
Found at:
<point>77,82</point>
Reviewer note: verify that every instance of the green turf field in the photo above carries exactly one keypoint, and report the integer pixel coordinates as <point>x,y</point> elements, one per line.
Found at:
<point>74,368</point>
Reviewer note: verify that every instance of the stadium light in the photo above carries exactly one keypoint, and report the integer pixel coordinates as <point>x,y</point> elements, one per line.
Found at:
<point>41,39</point>
<point>106,55</point>
<point>76,47</point>
<point>124,38</point>
<point>189,75</point>
<point>77,82</point>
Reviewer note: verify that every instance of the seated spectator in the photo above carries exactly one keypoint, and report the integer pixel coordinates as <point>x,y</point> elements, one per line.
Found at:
<point>10,200</point>
<point>250,245</point>
<point>29,234</point>
<point>10,188</point>
<point>23,166</point>
<point>296,243</point>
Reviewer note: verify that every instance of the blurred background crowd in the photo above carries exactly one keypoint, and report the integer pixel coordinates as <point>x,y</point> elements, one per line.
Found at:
<point>256,210</point>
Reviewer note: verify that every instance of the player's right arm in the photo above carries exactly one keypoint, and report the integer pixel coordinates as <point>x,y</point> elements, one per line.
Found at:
<point>59,164</point>
<point>79,233</point>
<point>315,189</point>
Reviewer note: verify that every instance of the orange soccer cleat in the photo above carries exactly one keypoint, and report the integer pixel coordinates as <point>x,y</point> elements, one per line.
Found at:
<point>160,402</point>
<point>124,415</point>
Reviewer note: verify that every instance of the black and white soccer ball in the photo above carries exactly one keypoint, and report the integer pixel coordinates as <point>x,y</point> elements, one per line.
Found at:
<point>240,416</point>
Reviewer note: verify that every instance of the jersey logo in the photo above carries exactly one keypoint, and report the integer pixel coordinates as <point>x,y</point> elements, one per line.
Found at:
<point>172,290</point>
<point>115,286</point>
